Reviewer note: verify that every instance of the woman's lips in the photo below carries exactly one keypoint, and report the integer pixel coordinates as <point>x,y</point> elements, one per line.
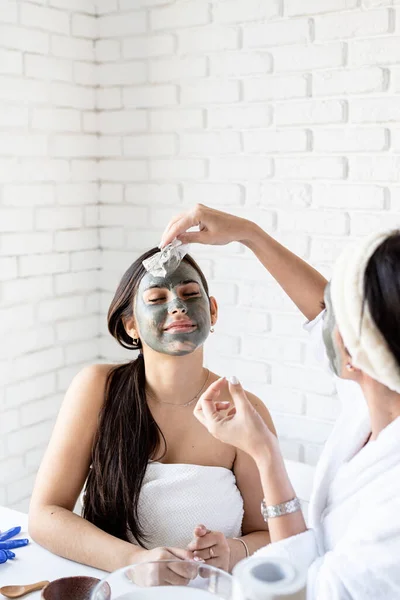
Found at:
<point>180,327</point>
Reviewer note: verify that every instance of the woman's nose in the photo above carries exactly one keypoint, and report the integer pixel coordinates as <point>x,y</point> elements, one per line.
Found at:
<point>176,307</point>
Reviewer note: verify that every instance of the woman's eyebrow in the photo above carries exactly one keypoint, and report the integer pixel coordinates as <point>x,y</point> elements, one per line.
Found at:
<point>160,286</point>
<point>155,286</point>
<point>188,281</point>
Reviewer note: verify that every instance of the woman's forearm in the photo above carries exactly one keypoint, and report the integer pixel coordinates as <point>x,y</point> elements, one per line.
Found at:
<point>254,541</point>
<point>70,536</point>
<point>301,282</point>
<point>277,488</point>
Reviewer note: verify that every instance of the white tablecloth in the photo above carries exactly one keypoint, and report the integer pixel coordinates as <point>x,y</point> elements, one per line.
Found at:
<point>34,563</point>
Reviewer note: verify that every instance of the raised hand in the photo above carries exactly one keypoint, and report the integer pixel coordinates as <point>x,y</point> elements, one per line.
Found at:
<point>215,227</point>
<point>238,423</point>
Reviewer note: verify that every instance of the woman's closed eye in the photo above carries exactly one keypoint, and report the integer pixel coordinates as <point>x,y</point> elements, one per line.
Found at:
<point>155,295</point>
<point>158,296</point>
<point>189,290</point>
<point>164,298</point>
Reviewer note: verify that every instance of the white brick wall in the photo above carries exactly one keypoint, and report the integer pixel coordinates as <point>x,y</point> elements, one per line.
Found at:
<point>43,225</point>
<point>285,112</point>
<point>116,114</point>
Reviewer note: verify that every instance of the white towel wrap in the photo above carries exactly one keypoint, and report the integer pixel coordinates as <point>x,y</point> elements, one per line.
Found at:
<point>361,337</point>
<point>175,498</point>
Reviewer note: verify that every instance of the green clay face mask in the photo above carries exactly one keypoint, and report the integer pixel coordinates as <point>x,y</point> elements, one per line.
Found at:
<point>172,313</point>
<point>329,326</point>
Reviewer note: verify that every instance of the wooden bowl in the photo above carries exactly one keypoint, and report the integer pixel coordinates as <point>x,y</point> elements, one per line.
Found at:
<point>70,588</point>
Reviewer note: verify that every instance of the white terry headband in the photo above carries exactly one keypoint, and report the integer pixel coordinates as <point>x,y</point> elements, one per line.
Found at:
<point>362,338</point>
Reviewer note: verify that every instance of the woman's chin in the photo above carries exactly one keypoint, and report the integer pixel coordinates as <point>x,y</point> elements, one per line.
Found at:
<point>178,348</point>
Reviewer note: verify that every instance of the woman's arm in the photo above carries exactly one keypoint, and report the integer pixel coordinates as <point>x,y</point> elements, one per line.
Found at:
<point>277,489</point>
<point>266,465</point>
<point>244,428</point>
<point>60,480</point>
<point>255,534</point>
<point>303,284</point>
<point>62,475</point>
<point>255,531</point>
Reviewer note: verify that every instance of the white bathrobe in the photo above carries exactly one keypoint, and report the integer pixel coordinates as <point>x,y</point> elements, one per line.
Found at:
<point>352,549</point>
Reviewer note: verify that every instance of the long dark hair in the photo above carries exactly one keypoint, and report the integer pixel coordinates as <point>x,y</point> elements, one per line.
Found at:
<point>382,291</point>
<point>127,434</point>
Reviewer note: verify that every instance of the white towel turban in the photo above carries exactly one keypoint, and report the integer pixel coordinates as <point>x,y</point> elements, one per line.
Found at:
<point>362,338</point>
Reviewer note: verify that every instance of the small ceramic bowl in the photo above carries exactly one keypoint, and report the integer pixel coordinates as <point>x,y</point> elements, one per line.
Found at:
<point>70,588</point>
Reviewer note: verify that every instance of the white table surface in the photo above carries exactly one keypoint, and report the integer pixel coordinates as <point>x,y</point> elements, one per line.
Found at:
<point>33,563</point>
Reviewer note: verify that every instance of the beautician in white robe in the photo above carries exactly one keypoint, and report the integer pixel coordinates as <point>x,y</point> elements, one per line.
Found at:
<point>352,546</point>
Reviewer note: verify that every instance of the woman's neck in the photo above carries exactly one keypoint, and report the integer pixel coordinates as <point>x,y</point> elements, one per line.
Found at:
<point>383,405</point>
<point>174,379</point>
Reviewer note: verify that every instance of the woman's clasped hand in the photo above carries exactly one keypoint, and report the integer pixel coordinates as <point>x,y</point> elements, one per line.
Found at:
<point>211,547</point>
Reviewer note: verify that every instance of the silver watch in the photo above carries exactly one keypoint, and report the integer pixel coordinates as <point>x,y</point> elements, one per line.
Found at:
<point>278,510</point>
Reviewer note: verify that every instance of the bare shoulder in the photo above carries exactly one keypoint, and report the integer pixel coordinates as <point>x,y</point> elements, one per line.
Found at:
<point>93,374</point>
<point>262,410</point>
<point>88,386</point>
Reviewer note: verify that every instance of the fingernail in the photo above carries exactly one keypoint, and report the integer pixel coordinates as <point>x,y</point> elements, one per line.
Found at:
<point>233,380</point>
<point>198,559</point>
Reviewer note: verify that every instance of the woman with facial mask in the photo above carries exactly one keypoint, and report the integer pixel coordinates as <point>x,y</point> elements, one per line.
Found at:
<point>351,547</point>
<point>158,485</point>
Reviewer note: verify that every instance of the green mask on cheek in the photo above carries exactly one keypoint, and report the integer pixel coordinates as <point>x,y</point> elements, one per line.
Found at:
<point>178,296</point>
<point>328,331</point>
